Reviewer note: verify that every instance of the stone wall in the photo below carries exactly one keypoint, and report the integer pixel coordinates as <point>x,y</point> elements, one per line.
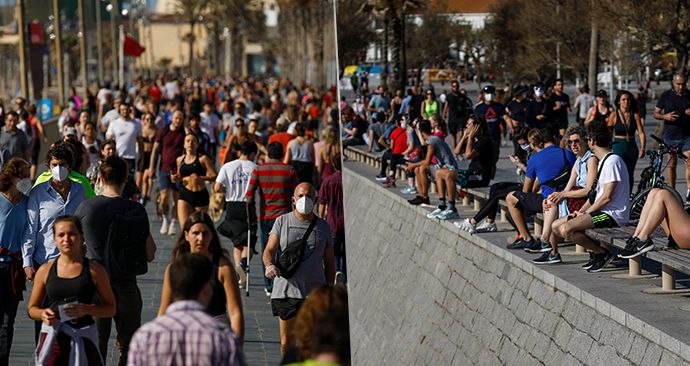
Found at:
<point>424,293</point>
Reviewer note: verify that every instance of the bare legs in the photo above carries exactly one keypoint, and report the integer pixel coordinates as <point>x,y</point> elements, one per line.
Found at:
<point>518,218</point>
<point>661,208</point>
<point>574,230</point>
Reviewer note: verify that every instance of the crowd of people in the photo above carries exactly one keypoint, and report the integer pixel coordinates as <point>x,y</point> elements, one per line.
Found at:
<point>578,174</point>
<point>265,152</point>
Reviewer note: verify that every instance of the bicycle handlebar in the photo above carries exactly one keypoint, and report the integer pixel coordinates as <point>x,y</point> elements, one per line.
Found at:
<point>657,139</point>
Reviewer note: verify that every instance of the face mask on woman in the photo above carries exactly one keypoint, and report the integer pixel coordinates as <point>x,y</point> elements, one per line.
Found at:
<point>24,186</point>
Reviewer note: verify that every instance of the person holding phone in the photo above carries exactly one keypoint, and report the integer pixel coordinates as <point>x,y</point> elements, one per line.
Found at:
<point>62,298</point>
<point>673,109</point>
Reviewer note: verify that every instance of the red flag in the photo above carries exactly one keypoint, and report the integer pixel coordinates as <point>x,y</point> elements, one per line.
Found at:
<point>132,47</point>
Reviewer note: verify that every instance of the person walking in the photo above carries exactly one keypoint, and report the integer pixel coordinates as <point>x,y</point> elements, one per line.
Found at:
<point>97,215</point>
<point>625,122</point>
<point>127,134</point>
<point>331,210</point>
<point>186,331</point>
<point>316,267</point>
<point>300,154</point>
<point>13,142</point>
<point>200,237</point>
<point>193,171</point>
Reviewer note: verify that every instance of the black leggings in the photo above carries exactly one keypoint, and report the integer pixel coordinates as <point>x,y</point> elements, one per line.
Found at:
<point>395,159</point>
<point>497,191</point>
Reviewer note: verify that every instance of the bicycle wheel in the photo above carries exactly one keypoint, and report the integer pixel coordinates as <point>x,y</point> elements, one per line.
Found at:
<point>638,202</point>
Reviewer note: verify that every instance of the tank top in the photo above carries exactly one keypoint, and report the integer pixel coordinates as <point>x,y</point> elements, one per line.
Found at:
<point>217,306</point>
<point>195,167</point>
<point>599,117</point>
<point>430,109</point>
<point>61,290</point>
<point>623,129</point>
<point>302,152</point>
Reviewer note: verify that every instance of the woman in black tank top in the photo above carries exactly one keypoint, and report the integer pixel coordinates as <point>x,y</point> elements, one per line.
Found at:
<point>193,171</point>
<point>65,287</point>
<point>625,122</point>
<point>600,111</point>
<point>199,236</point>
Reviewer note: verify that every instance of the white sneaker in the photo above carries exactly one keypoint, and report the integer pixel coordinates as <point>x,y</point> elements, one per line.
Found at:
<point>486,227</point>
<point>171,229</point>
<point>434,213</point>
<point>466,225</point>
<point>448,215</point>
<point>164,226</point>
<point>408,190</point>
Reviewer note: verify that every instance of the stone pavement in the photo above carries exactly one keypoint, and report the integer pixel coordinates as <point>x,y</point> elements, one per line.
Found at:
<point>261,341</point>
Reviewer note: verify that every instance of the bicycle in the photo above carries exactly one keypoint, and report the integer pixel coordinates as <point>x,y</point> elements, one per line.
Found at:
<point>653,177</point>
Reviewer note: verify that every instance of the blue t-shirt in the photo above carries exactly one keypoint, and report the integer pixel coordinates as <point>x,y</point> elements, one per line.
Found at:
<point>13,225</point>
<point>547,164</point>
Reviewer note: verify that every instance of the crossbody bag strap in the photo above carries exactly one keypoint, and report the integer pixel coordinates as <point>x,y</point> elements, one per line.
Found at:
<point>308,232</point>
<point>596,180</point>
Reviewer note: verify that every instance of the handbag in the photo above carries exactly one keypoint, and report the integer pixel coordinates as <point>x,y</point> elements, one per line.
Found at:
<point>561,180</point>
<point>288,260</point>
<point>592,195</point>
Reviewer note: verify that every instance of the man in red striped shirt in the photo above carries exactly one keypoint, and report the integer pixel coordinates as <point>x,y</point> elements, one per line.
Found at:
<point>274,182</point>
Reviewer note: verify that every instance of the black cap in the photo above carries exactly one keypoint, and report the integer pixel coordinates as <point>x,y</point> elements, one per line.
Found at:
<point>602,93</point>
<point>539,85</point>
<point>489,89</point>
<point>520,89</point>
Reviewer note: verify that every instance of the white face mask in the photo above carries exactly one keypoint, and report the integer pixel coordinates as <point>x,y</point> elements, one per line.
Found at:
<point>60,173</point>
<point>304,205</point>
<point>24,186</point>
<point>488,97</point>
<point>403,124</point>
<point>538,93</point>
<point>525,147</point>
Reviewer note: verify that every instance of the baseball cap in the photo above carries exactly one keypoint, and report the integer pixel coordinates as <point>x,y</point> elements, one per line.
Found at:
<point>69,131</point>
<point>602,93</point>
<point>489,89</point>
<point>539,86</point>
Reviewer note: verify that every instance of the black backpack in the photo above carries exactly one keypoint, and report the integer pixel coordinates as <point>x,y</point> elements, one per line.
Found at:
<point>287,261</point>
<point>125,251</point>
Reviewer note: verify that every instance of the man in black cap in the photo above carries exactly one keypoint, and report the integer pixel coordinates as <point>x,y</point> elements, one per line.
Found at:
<point>493,113</point>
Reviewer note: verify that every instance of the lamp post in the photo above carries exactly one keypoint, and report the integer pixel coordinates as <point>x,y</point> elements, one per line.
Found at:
<point>58,52</point>
<point>99,41</point>
<point>82,47</point>
<point>21,32</point>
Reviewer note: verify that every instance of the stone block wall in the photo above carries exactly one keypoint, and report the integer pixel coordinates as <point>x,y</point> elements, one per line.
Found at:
<point>423,293</point>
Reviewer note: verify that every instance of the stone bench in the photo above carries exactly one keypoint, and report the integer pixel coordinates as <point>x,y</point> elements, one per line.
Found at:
<point>671,260</point>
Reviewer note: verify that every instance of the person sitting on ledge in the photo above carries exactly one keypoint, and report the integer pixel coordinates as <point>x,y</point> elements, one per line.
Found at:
<point>661,208</point>
<point>609,208</point>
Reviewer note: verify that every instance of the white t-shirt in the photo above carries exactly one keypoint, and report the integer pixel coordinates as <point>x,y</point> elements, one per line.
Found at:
<point>614,170</point>
<point>585,102</point>
<point>234,176</point>
<point>125,134</point>
<point>209,123</point>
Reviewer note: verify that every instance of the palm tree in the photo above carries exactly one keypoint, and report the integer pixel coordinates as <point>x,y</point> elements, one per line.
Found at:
<point>393,13</point>
<point>192,11</point>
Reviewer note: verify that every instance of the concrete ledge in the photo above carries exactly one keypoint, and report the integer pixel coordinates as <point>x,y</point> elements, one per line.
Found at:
<point>425,292</point>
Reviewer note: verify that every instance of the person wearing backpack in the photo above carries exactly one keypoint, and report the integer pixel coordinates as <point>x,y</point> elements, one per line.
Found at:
<point>123,252</point>
<point>298,257</point>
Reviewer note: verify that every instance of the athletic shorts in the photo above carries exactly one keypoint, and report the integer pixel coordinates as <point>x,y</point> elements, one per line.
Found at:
<point>286,309</point>
<point>456,125</point>
<point>602,220</point>
<point>682,144</point>
<point>530,203</point>
<point>164,181</point>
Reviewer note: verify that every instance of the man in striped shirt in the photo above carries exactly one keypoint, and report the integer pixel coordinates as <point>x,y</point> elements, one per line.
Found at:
<point>187,335</point>
<point>274,182</point>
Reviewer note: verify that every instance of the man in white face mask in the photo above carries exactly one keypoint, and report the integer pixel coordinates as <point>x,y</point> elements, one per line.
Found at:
<point>316,267</point>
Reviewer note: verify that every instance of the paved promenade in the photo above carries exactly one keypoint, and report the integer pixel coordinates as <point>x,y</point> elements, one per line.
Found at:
<point>261,341</point>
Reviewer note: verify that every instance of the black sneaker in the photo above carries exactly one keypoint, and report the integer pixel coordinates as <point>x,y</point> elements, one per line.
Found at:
<point>547,258</point>
<point>541,247</point>
<point>521,243</point>
<point>602,260</point>
<point>638,247</point>
<point>419,200</point>
<point>536,244</point>
<point>590,262</point>
<point>629,247</point>
<point>381,178</point>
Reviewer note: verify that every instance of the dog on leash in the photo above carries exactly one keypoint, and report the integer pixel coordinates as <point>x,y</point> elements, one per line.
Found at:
<point>216,206</point>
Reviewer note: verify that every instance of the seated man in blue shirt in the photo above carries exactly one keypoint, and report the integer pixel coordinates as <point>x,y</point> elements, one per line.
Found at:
<point>543,166</point>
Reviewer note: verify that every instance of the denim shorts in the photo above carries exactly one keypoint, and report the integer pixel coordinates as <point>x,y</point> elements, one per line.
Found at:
<point>164,181</point>
<point>682,144</point>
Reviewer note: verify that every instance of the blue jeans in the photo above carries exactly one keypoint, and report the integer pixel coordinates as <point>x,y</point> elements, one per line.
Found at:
<point>266,226</point>
<point>339,253</point>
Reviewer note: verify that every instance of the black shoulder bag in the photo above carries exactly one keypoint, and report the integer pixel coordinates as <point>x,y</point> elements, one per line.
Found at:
<point>288,260</point>
<point>592,195</point>
<point>561,180</point>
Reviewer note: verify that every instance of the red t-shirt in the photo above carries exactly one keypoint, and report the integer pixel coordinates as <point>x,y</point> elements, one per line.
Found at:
<point>282,137</point>
<point>172,146</point>
<point>155,94</point>
<point>399,140</point>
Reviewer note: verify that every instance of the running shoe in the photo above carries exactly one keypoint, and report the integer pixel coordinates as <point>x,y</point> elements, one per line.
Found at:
<point>521,243</point>
<point>434,214</point>
<point>533,246</point>
<point>629,247</point>
<point>409,190</point>
<point>639,247</point>
<point>448,214</point>
<point>381,178</point>
<point>171,228</point>
<point>339,278</point>
<point>164,226</point>
<point>486,227</point>
<point>602,260</point>
<point>466,225</point>
<point>590,262</point>
<point>419,200</point>
<point>542,247</point>
<point>547,258</point>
